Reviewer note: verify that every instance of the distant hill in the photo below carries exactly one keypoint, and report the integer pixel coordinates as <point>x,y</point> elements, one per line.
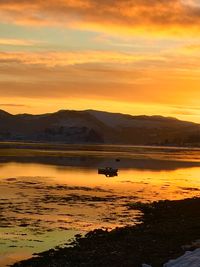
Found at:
<point>91,126</point>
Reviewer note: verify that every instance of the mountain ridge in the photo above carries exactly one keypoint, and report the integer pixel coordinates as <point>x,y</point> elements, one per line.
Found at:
<point>93,126</point>
<point>96,111</point>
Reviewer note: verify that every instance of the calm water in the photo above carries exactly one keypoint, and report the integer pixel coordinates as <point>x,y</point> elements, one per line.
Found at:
<point>45,201</point>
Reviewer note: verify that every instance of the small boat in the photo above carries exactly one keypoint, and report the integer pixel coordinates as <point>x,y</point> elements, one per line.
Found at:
<point>108,171</point>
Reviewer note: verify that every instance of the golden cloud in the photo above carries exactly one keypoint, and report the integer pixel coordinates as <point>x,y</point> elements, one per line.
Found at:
<point>100,75</point>
<point>52,59</point>
<point>129,16</point>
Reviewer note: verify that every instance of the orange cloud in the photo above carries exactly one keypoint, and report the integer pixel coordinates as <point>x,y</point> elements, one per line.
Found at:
<point>100,75</point>
<point>52,59</point>
<point>131,16</point>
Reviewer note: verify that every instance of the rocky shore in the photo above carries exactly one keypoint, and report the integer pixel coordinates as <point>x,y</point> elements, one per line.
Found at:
<point>168,229</point>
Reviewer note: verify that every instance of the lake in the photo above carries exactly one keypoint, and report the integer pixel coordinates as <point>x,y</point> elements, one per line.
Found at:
<point>47,195</point>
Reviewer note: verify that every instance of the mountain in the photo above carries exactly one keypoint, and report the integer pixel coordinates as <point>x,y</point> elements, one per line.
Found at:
<point>91,126</point>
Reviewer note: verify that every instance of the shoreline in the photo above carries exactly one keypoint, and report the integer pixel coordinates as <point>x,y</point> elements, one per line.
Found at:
<point>129,156</point>
<point>168,229</point>
<point>22,144</point>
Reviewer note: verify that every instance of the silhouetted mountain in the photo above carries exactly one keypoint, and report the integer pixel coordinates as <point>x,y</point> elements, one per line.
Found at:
<point>91,126</point>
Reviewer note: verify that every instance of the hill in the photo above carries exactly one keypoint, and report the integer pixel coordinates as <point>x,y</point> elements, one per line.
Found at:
<point>91,126</point>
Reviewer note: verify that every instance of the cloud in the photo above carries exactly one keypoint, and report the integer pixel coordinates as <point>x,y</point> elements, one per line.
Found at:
<point>184,112</point>
<point>52,59</point>
<point>101,75</point>
<point>17,42</point>
<point>99,81</point>
<point>127,16</point>
<point>13,105</point>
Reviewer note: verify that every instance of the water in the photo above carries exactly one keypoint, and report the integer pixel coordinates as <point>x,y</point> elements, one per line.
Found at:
<point>45,201</point>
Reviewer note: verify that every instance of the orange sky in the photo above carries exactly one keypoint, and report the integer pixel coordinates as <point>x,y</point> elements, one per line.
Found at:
<point>130,56</point>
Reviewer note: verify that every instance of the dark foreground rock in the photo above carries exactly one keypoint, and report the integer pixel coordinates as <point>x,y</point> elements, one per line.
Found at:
<point>167,227</point>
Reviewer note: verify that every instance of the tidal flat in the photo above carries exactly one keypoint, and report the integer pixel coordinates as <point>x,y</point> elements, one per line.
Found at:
<point>51,193</point>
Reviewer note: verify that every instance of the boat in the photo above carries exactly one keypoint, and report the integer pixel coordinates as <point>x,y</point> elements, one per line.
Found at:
<point>108,171</point>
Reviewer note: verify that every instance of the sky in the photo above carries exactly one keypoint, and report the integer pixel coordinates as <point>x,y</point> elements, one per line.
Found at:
<point>128,56</point>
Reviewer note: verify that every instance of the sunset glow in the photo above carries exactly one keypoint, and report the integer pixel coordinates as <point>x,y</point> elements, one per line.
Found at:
<point>130,56</point>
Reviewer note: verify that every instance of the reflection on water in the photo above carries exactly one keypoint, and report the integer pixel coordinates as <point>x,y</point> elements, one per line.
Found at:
<point>43,205</point>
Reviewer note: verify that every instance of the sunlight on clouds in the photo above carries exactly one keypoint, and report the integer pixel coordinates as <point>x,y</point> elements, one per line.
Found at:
<point>52,59</point>
<point>132,56</point>
<point>128,16</point>
<point>193,3</point>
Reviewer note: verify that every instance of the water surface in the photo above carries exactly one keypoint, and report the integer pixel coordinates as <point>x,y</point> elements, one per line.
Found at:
<point>45,201</point>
